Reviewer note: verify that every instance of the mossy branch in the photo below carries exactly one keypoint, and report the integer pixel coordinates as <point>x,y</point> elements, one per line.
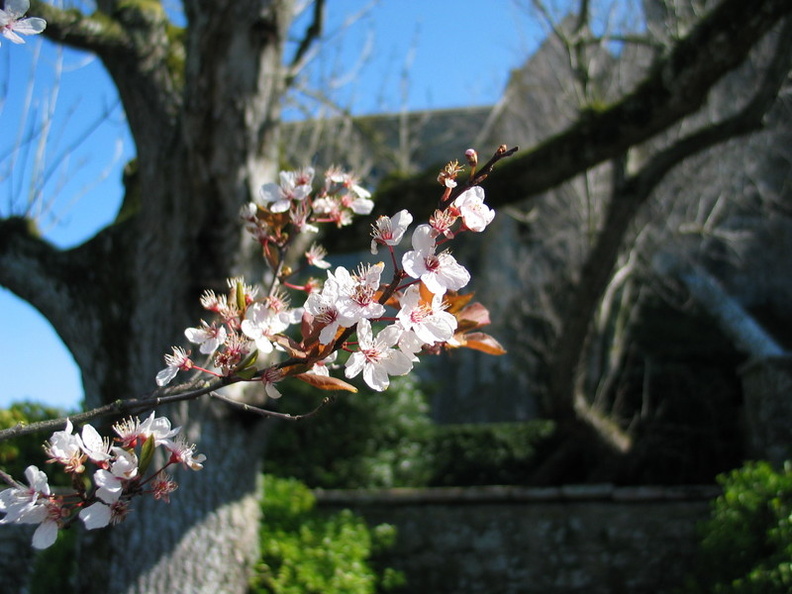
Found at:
<point>96,33</point>
<point>676,87</point>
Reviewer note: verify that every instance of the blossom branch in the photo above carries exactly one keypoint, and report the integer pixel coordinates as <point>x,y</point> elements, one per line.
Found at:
<point>119,407</point>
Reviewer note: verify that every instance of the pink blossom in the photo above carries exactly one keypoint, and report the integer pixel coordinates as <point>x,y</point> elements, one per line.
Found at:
<point>162,486</point>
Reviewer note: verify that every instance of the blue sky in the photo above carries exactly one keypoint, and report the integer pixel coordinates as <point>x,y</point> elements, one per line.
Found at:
<point>455,53</point>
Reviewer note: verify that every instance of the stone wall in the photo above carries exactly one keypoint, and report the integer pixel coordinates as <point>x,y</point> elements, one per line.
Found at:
<point>508,540</point>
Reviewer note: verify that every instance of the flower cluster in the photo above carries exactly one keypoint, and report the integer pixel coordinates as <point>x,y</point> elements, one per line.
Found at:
<point>12,24</point>
<point>382,326</point>
<point>120,470</point>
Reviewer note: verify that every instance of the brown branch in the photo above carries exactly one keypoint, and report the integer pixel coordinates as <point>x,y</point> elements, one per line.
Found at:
<point>119,407</point>
<point>749,119</point>
<point>676,87</point>
<point>629,193</point>
<point>312,34</point>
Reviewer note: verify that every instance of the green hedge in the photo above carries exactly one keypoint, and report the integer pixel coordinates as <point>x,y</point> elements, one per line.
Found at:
<point>304,552</point>
<point>373,439</point>
<point>746,545</point>
<point>486,454</point>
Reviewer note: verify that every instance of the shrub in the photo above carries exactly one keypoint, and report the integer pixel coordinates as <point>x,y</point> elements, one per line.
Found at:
<point>487,454</point>
<point>374,439</point>
<point>368,439</point>
<point>305,552</point>
<point>746,545</point>
<point>19,453</point>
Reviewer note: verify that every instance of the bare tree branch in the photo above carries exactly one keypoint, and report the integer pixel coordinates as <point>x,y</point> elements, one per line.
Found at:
<point>676,87</point>
<point>629,194</point>
<point>312,35</point>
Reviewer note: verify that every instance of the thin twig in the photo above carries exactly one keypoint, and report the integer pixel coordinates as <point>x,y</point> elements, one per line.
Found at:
<point>271,413</point>
<point>483,172</point>
<point>7,478</point>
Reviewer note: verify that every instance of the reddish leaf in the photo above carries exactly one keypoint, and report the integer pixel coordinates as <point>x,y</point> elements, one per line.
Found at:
<point>426,294</point>
<point>324,382</point>
<point>290,345</point>
<point>483,342</point>
<point>456,302</point>
<point>475,312</point>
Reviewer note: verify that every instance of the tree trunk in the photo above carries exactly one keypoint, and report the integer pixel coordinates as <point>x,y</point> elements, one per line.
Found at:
<point>203,107</point>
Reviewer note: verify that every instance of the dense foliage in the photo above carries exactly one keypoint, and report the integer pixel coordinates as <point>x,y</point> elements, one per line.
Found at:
<point>17,454</point>
<point>374,439</point>
<point>488,453</point>
<point>369,439</point>
<point>746,545</point>
<point>305,552</point>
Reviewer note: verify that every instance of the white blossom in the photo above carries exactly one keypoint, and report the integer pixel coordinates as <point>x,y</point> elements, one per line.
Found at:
<point>357,294</point>
<point>66,448</point>
<point>475,214</point>
<point>440,272</point>
<point>184,454</point>
<point>94,445</point>
<point>208,336</point>
<point>376,358</point>
<point>294,186</point>
<point>428,321</point>
<point>390,230</point>
<point>12,23</point>
<point>262,323</point>
<point>179,360</point>
<point>19,501</point>
<point>96,515</point>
